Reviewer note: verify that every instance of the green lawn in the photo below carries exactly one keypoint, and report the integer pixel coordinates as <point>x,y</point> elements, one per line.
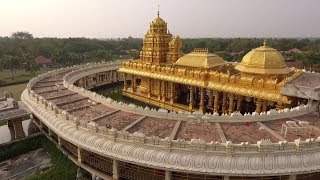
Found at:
<point>20,75</point>
<point>15,89</point>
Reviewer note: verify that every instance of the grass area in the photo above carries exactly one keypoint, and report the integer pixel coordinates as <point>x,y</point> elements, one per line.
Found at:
<point>63,168</point>
<point>2,123</point>
<point>15,89</point>
<point>20,75</point>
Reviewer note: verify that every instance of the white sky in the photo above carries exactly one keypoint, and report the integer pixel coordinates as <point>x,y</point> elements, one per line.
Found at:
<point>187,18</point>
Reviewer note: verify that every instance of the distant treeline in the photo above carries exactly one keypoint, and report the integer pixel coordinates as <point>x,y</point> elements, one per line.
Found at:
<point>66,51</point>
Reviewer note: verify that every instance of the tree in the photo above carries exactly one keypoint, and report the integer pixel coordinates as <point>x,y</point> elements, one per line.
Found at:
<point>73,58</point>
<point>58,57</point>
<point>11,62</point>
<point>21,35</point>
<point>30,64</point>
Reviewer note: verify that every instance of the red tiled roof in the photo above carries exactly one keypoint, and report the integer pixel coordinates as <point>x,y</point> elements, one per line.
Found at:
<point>42,60</point>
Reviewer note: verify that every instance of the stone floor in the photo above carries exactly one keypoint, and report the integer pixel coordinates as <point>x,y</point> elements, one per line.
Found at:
<point>25,165</point>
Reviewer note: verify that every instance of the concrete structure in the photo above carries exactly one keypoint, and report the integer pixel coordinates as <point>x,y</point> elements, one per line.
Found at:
<point>13,112</point>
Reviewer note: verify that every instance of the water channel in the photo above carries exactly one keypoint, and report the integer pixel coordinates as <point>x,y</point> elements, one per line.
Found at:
<point>114,91</point>
<point>5,133</point>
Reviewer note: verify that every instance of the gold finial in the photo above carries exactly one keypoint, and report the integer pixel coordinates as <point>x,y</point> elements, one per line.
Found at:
<point>265,43</point>
<point>158,10</point>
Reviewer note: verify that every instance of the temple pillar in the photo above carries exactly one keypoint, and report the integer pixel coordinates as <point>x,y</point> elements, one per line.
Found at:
<point>224,102</point>
<point>133,83</point>
<point>171,92</point>
<point>201,105</point>
<point>191,98</point>
<point>168,175</point>
<point>258,106</point>
<point>264,106</point>
<point>216,101</point>
<point>231,103</point>
<point>115,169</point>
<point>163,92</point>
<point>149,87</point>
<point>210,99</point>
<point>125,85</point>
<point>159,90</point>
<point>239,100</point>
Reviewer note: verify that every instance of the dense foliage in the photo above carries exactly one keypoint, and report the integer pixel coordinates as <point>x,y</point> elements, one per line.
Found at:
<point>21,47</point>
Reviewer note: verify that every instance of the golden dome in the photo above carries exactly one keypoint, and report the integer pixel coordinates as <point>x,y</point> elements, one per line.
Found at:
<point>263,60</point>
<point>200,58</point>
<point>158,21</point>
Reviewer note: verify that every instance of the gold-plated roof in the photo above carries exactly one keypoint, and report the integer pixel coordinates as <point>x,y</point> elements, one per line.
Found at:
<point>216,86</point>
<point>158,21</point>
<point>200,58</point>
<point>263,60</point>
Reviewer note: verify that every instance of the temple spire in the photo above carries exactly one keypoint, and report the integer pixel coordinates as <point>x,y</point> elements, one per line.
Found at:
<point>265,43</point>
<point>158,14</point>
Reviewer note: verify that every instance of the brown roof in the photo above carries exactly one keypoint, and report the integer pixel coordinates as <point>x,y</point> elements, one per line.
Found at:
<point>42,60</point>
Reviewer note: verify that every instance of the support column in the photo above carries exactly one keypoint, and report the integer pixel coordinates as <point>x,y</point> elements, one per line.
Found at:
<point>191,98</point>
<point>231,103</point>
<point>18,128</point>
<point>216,101</point>
<point>149,87</point>
<point>224,102</point>
<point>133,83</point>
<point>239,100</point>
<point>125,85</point>
<point>164,89</point>
<point>292,177</point>
<point>168,175</point>
<point>171,92</point>
<point>258,106</point>
<point>79,155</point>
<point>226,177</point>
<point>111,76</point>
<point>11,129</point>
<point>159,90</point>
<point>210,99</point>
<point>264,106</point>
<point>59,141</point>
<point>201,105</point>
<point>115,169</point>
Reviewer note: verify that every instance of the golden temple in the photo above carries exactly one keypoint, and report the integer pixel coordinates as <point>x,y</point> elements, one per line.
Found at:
<point>203,81</point>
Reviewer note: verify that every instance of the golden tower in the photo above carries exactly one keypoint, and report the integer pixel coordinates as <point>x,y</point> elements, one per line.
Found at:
<point>155,44</point>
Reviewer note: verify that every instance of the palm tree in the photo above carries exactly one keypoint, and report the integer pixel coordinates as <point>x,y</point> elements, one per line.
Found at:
<point>11,62</point>
<point>30,64</point>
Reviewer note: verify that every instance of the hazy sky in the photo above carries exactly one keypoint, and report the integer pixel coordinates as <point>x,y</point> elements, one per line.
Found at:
<point>187,18</point>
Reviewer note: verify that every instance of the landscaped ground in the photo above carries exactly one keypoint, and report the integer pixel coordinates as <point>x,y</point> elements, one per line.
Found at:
<point>25,165</point>
<point>16,90</point>
<point>62,168</point>
<point>20,76</point>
